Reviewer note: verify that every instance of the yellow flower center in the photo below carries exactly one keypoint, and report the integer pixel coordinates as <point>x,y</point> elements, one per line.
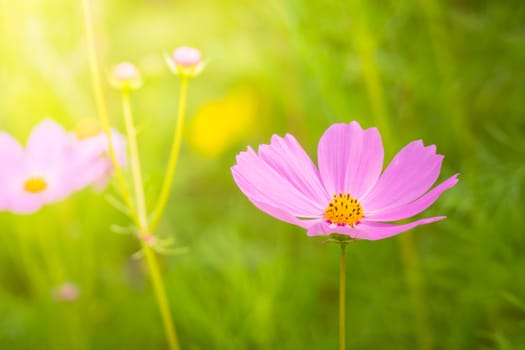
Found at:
<point>35,185</point>
<point>88,128</point>
<point>343,209</point>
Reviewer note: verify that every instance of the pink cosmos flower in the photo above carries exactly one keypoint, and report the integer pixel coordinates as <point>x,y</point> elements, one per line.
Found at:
<point>51,167</point>
<point>40,173</point>
<point>347,194</point>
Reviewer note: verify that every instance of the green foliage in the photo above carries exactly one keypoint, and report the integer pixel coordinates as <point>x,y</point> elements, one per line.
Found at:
<point>448,73</point>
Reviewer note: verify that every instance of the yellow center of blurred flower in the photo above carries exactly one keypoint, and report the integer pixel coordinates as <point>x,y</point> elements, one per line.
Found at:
<point>219,125</point>
<point>88,128</point>
<point>35,185</point>
<point>343,209</point>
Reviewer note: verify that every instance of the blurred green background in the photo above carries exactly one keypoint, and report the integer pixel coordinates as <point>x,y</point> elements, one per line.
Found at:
<point>451,73</point>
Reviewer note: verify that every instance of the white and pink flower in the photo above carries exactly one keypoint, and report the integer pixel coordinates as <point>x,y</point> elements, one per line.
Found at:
<point>53,165</point>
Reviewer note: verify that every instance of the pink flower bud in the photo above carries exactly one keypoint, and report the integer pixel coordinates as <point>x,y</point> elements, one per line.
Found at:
<point>66,292</point>
<point>125,71</point>
<point>186,56</point>
<point>125,76</point>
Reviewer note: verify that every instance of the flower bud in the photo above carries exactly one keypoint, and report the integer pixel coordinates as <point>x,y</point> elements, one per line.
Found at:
<point>125,76</point>
<point>186,56</point>
<point>185,61</point>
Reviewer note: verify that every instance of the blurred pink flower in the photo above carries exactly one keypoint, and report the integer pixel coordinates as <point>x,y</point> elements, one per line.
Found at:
<point>92,155</point>
<point>51,167</point>
<point>39,174</point>
<point>347,194</point>
<point>66,292</point>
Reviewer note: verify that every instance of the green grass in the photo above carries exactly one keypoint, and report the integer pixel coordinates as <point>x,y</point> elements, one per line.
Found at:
<point>450,73</point>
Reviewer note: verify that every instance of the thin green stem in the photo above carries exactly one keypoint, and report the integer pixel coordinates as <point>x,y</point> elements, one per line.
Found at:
<point>160,294</point>
<point>139,216</point>
<point>342,293</point>
<point>144,228</point>
<point>101,106</point>
<point>174,155</point>
<point>135,162</point>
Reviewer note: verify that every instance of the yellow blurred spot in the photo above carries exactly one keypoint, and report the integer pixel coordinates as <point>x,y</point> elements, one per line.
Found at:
<point>219,125</point>
<point>88,128</point>
<point>35,185</point>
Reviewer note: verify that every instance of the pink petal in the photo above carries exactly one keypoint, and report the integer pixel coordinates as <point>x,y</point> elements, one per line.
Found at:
<point>93,164</point>
<point>12,176</point>
<point>50,155</point>
<point>263,183</point>
<point>407,210</point>
<point>350,158</point>
<point>409,175</point>
<point>282,215</point>
<point>375,230</point>
<point>90,172</point>
<point>12,158</point>
<point>368,230</point>
<point>94,147</point>
<point>10,150</point>
<point>288,158</point>
<point>323,228</point>
<point>24,203</point>
<point>47,145</point>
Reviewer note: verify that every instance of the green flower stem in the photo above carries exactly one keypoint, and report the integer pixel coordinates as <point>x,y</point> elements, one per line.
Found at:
<point>138,214</point>
<point>160,294</point>
<point>101,107</point>
<point>342,307</point>
<point>144,228</point>
<point>174,155</point>
<point>135,163</point>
